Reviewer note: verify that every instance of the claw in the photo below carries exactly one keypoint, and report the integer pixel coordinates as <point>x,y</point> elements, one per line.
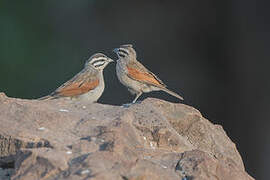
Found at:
<point>138,102</point>
<point>126,105</point>
<point>129,104</point>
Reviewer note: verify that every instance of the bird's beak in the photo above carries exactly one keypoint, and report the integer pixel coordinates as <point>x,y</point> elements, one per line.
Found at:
<point>110,60</point>
<point>116,50</point>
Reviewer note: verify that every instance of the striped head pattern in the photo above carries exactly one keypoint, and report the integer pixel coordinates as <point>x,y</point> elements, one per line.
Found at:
<point>98,61</point>
<point>125,52</point>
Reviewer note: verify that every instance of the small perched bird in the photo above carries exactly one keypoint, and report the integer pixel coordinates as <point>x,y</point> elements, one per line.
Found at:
<point>87,84</point>
<point>132,74</point>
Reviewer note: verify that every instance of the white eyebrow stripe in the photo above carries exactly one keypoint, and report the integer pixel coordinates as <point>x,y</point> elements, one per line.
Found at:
<point>99,58</point>
<point>99,63</point>
<point>123,50</point>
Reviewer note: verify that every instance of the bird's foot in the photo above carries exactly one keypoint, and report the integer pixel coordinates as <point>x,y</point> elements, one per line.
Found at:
<point>129,104</point>
<point>137,102</point>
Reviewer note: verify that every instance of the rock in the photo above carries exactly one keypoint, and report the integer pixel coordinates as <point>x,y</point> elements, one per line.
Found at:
<point>2,95</point>
<point>61,139</point>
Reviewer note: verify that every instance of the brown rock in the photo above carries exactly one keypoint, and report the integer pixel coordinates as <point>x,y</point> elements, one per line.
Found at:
<point>60,139</point>
<point>201,165</point>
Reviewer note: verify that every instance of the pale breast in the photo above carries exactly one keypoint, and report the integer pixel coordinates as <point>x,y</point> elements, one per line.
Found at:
<point>94,95</point>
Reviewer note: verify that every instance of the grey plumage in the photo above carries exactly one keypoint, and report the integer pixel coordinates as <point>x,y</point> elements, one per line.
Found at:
<point>137,78</point>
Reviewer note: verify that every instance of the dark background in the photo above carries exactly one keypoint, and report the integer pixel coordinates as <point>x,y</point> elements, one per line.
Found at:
<point>214,53</point>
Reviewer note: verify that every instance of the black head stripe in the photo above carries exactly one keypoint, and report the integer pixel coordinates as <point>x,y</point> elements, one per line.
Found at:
<point>123,51</point>
<point>121,55</point>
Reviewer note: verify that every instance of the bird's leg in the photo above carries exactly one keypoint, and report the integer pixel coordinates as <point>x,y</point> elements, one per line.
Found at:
<point>133,102</point>
<point>137,96</point>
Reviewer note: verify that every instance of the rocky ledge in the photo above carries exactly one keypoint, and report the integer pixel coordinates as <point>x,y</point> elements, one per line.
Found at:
<point>60,139</point>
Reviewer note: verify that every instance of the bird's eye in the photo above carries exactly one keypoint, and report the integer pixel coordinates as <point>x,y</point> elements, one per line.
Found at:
<point>122,51</point>
<point>121,55</point>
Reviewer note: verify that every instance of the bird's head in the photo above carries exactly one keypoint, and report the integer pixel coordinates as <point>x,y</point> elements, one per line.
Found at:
<point>125,52</point>
<point>98,61</point>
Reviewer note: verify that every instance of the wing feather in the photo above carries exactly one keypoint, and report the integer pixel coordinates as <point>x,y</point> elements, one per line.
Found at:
<point>83,82</point>
<point>75,89</point>
<point>138,72</point>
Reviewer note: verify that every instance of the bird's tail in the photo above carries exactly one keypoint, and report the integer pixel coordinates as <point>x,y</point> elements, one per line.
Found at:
<point>46,98</point>
<point>172,93</point>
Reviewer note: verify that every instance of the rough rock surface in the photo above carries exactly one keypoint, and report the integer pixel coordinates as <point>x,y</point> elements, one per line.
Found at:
<point>60,139</point>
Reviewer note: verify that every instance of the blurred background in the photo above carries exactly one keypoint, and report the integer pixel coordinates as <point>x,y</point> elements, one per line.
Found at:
<point>214,53</point>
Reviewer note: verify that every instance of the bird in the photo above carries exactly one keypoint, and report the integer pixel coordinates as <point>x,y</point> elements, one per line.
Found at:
<point>137,78</point>
<point>88,84</point>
